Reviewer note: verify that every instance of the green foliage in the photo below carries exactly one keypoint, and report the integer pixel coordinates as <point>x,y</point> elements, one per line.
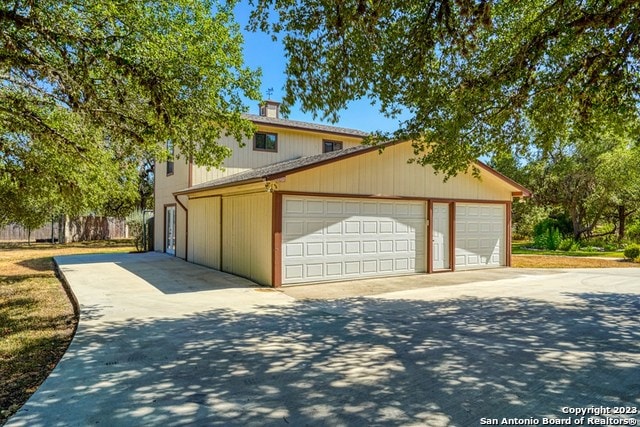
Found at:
<point>88,90</point>
<point>558,221</point>
<point>525,216</point>
<point>569,244</point>
<point>548,239</point>
<point>632,252</point>
<point>135,222</point>
<point>472,78</point>
<point>633,231</point>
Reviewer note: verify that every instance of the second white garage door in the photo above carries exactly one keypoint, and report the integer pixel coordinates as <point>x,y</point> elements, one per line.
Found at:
<point>480,235</point>
<point>336,239</point>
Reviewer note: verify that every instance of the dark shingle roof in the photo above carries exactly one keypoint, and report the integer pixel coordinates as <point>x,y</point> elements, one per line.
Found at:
<point>277,170</point>
<point>294,124</point>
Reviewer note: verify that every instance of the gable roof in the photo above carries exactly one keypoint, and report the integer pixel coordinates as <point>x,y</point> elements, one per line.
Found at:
<point>278,170</point>
<point>313,127</point>
<point>281,169</point>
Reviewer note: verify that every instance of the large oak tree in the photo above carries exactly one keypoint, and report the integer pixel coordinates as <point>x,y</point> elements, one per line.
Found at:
<point>90,88</point>
<point>472,77</point>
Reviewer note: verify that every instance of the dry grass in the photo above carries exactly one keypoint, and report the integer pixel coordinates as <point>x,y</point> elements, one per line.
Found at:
<point>36,318</point>
<point>557,261</point>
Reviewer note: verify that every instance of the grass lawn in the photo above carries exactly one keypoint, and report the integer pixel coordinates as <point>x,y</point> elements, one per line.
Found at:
<point>533,258</point>
<point>520,248</point>
<point>559,261</point>
<point>37,320</point>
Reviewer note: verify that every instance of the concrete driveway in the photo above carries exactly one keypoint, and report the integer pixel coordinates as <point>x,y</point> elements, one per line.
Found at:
<point>163,342</point>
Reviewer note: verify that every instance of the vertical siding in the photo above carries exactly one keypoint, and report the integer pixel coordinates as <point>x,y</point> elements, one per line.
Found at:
<point>204,231</point>
<point>165,186</point>
<point>246,236</point>
<point>291,145</point>
<point>388,174</point>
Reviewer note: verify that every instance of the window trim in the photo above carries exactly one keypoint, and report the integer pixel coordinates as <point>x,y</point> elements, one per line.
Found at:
<point>333,142</point>
<point>255,148</point>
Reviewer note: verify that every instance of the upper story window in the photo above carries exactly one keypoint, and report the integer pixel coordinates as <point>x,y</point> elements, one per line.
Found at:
<point>265,142</point>
<point>328,146</point>
<point>170,158</point>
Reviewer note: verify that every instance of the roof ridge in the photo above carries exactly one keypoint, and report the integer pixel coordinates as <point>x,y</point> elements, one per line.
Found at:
<point>298,124</point>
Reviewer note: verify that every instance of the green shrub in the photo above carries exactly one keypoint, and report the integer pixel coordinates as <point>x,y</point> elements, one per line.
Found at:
<point>550,239</point>
<point>136,229</point>
<point>632,252</point>
<point>566,244</point>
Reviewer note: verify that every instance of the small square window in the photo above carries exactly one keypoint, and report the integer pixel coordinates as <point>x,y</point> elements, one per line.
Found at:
<point>265,142</point>
<point>328,146</point>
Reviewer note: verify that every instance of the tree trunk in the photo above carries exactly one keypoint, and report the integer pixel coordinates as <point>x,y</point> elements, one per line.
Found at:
<point>622,218</point>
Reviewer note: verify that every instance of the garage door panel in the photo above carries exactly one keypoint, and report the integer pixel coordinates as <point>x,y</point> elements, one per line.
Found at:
<point>294,228</point>
<point>480,236</point>
<point>352,208</point>
<point>352,227</point>
<point>294,207</point>
<point>369,208</point>
<point>294,249</point>
<point>352,247</point>
<point>294,271</point>
<point>386,227</point>
<point>334,269</point>
<point>352,268</point>
<point>314,208</point>
<point>334,208</point>
<point>386,265</point>
<point>370,227</point>
<point>333,248</point>
<point>358,238</point>
<point>334,228</point>
<point>314,249</point>
<point>315,270</point>
<point>312,227</point>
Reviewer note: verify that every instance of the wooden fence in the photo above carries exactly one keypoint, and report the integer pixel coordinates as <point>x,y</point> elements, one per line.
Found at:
<point>71,230</point>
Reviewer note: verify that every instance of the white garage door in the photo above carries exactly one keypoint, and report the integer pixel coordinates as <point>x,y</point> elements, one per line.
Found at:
<point>336,239</point>
<point>480,235</point>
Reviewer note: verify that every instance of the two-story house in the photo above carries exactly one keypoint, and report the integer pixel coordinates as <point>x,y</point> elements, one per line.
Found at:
<point>302,202</point>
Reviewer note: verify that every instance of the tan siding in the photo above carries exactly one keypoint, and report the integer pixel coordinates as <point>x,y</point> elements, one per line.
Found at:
<point>204,231</point>
<point>246,236</point>
<point>165,186</point>
<point>291,145</point>
<point>388,174</point>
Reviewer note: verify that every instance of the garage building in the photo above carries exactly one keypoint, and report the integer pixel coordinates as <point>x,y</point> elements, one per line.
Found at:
<point>355,213</point>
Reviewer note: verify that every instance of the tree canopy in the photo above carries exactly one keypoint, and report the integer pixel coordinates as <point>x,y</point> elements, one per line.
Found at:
<point>474,77</point>
<point>89,89</point>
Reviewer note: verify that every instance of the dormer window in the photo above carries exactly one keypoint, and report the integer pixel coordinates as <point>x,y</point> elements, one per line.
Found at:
<point>329,146</point>
<point>263,141</point>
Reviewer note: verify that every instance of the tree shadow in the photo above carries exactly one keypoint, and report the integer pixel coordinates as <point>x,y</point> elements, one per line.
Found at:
<point>356,361</point>
<point>37,264</point>
<point>168,274</point>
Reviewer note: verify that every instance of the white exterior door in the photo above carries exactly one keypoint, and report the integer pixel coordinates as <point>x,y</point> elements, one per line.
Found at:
<point>327,239</point>
<point>440,245</point>
<point>480,235</point>
<point>170,229</point>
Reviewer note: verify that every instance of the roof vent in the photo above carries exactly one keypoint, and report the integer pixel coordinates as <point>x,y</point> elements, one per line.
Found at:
<point>270,109</point>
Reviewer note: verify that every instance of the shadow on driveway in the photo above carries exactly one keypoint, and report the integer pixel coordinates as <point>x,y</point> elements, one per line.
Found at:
<point>358,361</point>
<point>168,274</point>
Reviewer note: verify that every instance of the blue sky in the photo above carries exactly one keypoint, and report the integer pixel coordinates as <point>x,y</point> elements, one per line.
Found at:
<point>260,51</point>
